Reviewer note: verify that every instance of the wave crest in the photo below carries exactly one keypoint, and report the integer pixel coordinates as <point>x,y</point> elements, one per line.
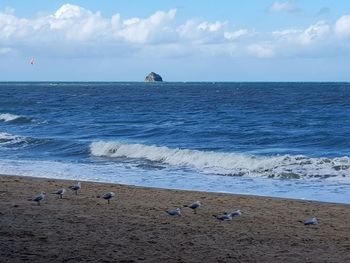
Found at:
<point>233,164</point>
<point>7,139</point>
<point>8,117</point>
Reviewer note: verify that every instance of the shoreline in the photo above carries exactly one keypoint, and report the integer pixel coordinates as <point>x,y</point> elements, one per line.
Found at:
<point>184,190</point>
<point>135,228</point>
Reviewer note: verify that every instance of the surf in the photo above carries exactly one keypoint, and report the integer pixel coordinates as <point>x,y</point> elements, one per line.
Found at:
<point>7,139</point>
<point>9,117</point>
<point>228,164</point>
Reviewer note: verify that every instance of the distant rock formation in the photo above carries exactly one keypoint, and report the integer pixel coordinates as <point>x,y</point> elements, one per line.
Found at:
<point>153,77</point>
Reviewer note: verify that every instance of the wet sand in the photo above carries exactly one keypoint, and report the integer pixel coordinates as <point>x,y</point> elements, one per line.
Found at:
<point>134,227</point>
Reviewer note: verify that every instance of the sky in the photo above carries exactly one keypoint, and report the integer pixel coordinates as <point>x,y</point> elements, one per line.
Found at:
<point>197,40</point>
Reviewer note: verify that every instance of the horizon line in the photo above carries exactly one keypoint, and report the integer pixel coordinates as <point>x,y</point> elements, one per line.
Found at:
<point>162,82</point>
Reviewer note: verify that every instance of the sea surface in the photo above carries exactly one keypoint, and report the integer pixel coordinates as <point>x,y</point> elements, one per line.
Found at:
<point>272,139</point>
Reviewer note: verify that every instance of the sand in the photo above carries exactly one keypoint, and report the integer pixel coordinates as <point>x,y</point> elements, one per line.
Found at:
<point>135,228</point>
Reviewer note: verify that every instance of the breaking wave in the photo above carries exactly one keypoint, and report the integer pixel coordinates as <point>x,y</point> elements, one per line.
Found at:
<point>231,164</point>
<point>8,117</point>
<point>7,140</point>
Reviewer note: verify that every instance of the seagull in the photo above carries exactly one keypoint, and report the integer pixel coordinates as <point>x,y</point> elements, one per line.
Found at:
<point>60,192</point>
<point>228,216</point>
<point>39,197</point>
<point>76,187</point>
<point>224,217</point>
<point>311,221</point>
<point>194,206</point>
<point>235,213</point>
<point>175,212</point>
<point>108,196</point>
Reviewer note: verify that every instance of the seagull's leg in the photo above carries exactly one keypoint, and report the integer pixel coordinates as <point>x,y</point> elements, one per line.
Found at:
<point>61,196</point>
<point>38,202</point>
<point>76,192</point>
<point>108,201</point>
<point>195,211</point>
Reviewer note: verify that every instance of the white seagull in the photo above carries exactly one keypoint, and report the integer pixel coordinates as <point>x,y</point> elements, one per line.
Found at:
<point>108,196</point>
<point>76,187</point>
<point>224,217</point>
<point>311,221</point>
<point>228,216</point>
<point>175,212</point>
<point>236,213</point>
<point>60,192</point>
<point>194,206</point>
<point>39,197</point>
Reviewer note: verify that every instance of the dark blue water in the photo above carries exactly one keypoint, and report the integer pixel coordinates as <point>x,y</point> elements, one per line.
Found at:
<point>285,136</point>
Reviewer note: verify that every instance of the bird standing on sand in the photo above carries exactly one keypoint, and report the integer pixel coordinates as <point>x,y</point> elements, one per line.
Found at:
<point>228,216</point>
<point>235,213</point>
<point>108,196</point>
<point>39,197</point>
<point>194,206</point>
<point>76,187</point>
<point>311,221</point>
<point>224,217</point>
<point>175,212</point>
<point>60,192</point>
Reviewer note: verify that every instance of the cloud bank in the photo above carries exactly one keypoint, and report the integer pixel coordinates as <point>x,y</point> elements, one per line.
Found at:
<point>74,31</point>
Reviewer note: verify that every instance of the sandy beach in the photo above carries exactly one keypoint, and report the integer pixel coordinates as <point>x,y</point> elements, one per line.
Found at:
<point>134,227</point>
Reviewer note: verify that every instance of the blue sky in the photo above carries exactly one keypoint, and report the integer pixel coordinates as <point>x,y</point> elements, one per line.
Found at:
<point>122,40</point>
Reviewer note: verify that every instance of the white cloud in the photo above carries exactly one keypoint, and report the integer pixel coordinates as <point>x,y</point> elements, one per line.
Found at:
<point>287,34</point>
<point>234,35</point>
<point>154,28</point>
<point>315,32</point>
<point>342,27</point>
<point>307,36</point>
<point>211,27</point>
<point>69,11</point>
<point>9,25</point>
<point>74,31</point>
<point>202,31</point>
<point>278,7</point>
<point>76,23</point>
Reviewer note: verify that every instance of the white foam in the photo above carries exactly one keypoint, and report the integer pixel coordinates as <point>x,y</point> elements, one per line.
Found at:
<point>6,117</point>
<point>286,166</point>
<point>7,139</point>
<point>124,173</point>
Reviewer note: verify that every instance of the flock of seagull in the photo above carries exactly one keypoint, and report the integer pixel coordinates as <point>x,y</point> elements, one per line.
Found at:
<point>194,206</point>
<point>76,187</point>
<point>227,216</point>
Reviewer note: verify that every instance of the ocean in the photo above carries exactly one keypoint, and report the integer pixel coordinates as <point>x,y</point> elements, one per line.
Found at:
<point>271,139</point>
